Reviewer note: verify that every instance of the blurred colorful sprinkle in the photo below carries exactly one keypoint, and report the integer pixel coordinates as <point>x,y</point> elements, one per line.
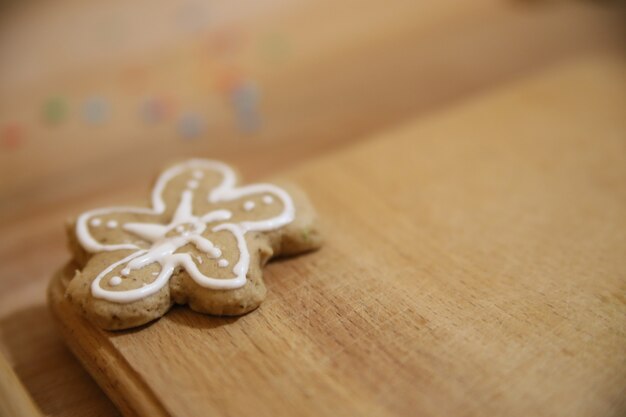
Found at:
<point>245,99</point>
<point>228,79</point>
<point>54,110</point>
<point>12,136</point>
<point>156,109</point>
<point>191,125</point>
<point>96,110</point>
<point>225,41</point>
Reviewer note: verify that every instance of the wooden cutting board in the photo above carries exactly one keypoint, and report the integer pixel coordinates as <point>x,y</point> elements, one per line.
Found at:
<point>475,264</point>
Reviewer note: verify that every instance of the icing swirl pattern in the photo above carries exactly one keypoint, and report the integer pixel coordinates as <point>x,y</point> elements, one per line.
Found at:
<point>211,208</point>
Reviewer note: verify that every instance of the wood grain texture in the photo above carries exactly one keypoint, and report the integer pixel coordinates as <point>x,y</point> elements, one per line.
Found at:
<point>474,266</point>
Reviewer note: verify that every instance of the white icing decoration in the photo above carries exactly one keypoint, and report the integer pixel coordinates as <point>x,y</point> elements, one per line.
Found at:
<point>111,224</point>
<point>95,222</point>
<point>115,281</point>
<point>193,184</point>
<point>268,199</point>
<point>163,249</point>
<point>248,205</point>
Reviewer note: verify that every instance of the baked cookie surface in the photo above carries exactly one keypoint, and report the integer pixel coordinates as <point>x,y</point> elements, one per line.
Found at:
<point>203,242</point>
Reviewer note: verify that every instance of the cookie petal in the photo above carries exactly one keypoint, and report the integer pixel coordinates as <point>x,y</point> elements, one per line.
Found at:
<point>257,207</point>
<point>120,284</point>
<point>219,260</point>
<point>193,180</point>
<point>103,229</point>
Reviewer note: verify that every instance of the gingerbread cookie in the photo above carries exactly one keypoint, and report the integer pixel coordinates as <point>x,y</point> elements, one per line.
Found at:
<point>203,243</point>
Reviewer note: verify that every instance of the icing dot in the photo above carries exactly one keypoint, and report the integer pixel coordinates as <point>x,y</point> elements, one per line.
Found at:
<point>248,205</point>
<point>199,258</point>
<point>223,263</point>
<point>95,222</point>
<point>125,271</point>
<point>115,281</point>
<point>180,228</point>
<point>111,224</point>
<point>216,252</point>
<point>268,199</point>
<point>154,274</point>
<point>198,174</point>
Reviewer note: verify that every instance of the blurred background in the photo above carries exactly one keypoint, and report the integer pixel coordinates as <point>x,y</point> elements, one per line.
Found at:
<point>97,93</point>
<point>96,96</point>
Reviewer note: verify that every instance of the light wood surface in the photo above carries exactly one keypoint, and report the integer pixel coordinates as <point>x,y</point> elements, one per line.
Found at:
<point>345,70</point>
<point>474,266</point>
<point>14,400</point>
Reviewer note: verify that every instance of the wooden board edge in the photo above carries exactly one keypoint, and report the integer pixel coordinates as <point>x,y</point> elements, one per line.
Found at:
<point>94,350</point>
<point>14,399</point>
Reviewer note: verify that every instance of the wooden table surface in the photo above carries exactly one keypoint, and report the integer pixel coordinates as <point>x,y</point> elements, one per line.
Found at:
<point>342,72</point>
<point>474,265</point>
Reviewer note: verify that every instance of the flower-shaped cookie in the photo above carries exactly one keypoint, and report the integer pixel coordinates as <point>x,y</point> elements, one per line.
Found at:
<point>203,242</point>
